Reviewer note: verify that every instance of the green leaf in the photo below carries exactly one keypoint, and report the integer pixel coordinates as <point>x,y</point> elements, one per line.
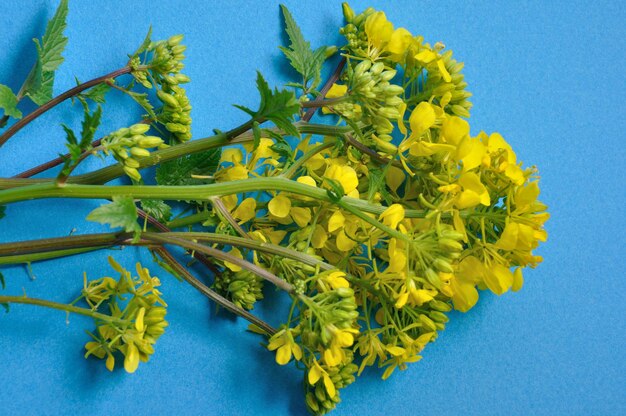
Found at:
<point>179,172</point>
<point>97,93</point>
<point>8,102</point>
<point>1,212</point>
<point>144,45</point>
<point>40,81</point>
<point>122,212</point>
<point>302,58</point>
<point>39,86</point>
<point>77,148</point>
<point>2,282</point>
<point>278,106</point>
<point>142,100</point>
<point>53,42</point>
<point>157,209</point>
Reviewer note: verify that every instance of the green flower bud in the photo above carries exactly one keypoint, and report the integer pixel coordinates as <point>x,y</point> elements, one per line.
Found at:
<point>137,129</point>
<point>348,13</point>
<point>132,173</point>
<point>175,40</point>
<point>148,142</point>
<point>442,265</point>
<point>139,152</point>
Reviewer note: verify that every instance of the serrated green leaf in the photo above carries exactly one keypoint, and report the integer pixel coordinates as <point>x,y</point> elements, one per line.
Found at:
<point>157,209</point>
<point>97,93</point>
<point>142,100</point>
<point>302,58</point>
<point>90,124</point>
<point>40,81</point>
<point>144,45</point>
<point>53,42</point>
<point>39,86</point>
<point>179,172</point>
<point>121,212</point>
<point>8,102</point>
<point>278,106</point>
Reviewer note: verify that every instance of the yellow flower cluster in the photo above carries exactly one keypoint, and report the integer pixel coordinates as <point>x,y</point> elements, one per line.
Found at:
<point>448,213</point>
<point>136,324</point>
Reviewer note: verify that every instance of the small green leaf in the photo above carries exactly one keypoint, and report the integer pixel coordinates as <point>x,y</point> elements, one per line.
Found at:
<point>179,172</point>
<point>142,100</point>
<point>122,212</point>
<point>157,209</point>
<point>97,93</point>
<point>144,45</point>
<point>8,102</point>
<point>39,83</point>
<point>303,59</point>
<point>39,86</point>
<point>53,42</point>
<point>77,148</point>
<point>278,106</point>
<point>2,282</point>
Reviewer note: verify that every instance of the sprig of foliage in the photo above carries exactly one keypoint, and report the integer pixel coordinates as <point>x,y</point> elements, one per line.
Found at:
<point>121,212</point>
<point>303,59</point>
<point>277,106</point>
<point>77,148</point>
<point>40,81</point>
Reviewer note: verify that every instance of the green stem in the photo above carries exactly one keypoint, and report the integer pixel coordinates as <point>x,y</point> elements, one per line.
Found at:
<point>27,258</point>
<point>109,173</point>
<point>60,306</point>
<point>250,244</point>
<point>221,255</point>
<point>308,155</point>
<point>194,193</point>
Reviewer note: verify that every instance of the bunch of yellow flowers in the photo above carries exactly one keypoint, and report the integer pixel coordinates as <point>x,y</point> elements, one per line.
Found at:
<point>456,213</point>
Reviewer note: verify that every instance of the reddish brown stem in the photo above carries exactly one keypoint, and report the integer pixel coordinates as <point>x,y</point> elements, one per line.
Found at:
<point>58,100</point>
<point>329,83</point>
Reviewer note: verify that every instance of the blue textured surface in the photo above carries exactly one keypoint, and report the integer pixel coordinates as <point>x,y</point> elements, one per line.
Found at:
<point>549,76</point>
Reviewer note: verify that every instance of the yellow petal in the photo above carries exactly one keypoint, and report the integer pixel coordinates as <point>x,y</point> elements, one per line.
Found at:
<point>307,180</point>
<point>508,238</point>
<point>392,216</point>
<point>283,354</point>
<point>426,56</point>
<point>330,387</point>
<point>395,350</point>
<point>399,42</point>
<point>498,278</point>
<point>336,221</point>
<point>246,210</point>
<point>401,301</point>
<point>465,295</point>
<point>110,362</point>
<point>344,243</point>
<point>378,29</point>
<point>315,373</point>
<point>454,129</point>
<point>422,118</point>
<point>301,216</point>
<point>279,206</point>
<point>234,267</point>
<point>337,91</point>
<point>319,237</point>
<point>131,359</point>
<point>139,319</point>
<point>443,71</point>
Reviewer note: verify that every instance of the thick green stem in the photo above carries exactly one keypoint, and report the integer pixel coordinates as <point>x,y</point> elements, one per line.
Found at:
<point>60,306</point>
<point>27,258</point>
<point>194,193</point>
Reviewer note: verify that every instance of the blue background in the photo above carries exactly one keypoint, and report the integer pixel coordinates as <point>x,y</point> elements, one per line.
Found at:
<point>549,76</point>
